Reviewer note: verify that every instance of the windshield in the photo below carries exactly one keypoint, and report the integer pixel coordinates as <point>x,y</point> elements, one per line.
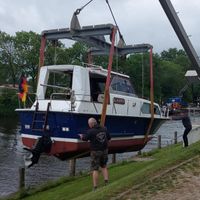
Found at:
<point>58,83</point>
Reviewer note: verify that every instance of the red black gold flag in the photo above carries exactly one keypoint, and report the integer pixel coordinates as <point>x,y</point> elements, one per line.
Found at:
<point>23,88</point>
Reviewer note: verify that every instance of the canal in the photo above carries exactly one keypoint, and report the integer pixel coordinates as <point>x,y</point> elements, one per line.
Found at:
<point>50,168</point>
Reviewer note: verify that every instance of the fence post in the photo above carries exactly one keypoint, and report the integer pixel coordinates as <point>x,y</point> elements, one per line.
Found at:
<point>72,165</point>
<point>113,158</point>
<point>175,137</point>
<point>159,141</point>
<point>21,178</point>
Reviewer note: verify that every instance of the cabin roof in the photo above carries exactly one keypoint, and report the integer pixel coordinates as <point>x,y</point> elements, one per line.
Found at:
<point>60,67</point>
<point>94,69</point>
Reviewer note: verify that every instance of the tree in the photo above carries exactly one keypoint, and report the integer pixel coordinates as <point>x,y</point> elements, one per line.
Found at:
<point>177,64</point>
<point>172,54</point>
<point>77,53</point>
<point>172,79</point>
<point>27,45</point>
<point>8,63</point>
<point>56,53</point>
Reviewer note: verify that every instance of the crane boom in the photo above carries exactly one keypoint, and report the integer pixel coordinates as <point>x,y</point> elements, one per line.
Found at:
<point>181,33</point>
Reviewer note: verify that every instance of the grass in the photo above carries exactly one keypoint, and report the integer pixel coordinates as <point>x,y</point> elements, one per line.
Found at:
<point>122,177</point>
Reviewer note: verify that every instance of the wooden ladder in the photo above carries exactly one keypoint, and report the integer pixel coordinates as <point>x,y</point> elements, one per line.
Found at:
<point>40,118</point>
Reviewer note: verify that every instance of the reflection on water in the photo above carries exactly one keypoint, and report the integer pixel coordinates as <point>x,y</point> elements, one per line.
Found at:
<point>49,168</point>
<point>10,155</point>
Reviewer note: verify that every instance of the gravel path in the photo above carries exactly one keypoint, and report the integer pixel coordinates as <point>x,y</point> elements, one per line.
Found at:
<point>181,183</point>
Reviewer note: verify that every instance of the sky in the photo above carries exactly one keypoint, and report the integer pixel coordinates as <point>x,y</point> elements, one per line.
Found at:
<point>140,21</point>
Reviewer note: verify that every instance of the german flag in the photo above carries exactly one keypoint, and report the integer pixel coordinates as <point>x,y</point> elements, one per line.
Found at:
<point>23,88</point>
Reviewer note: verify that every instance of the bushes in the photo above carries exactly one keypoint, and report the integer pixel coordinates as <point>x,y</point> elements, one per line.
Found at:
<point>8,102</point>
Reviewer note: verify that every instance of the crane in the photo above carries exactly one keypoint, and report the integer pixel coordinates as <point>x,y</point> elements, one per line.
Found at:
<point>181,34</point>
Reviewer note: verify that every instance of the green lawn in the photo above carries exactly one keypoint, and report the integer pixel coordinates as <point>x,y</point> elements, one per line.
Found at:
<point>122,176</point>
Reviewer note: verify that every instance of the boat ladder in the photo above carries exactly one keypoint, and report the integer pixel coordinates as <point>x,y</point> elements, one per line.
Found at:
<point>40,119</point>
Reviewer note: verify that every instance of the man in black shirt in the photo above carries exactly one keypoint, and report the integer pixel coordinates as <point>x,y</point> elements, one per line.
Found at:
<point>183,115</point>
<point>98,137</point>
<point>188,126</point>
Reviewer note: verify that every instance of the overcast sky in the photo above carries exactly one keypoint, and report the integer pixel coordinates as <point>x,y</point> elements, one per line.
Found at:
<point>140,21</point>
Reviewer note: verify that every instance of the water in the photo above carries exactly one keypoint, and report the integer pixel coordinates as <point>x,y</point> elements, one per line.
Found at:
<point>50,168</point>
<point>11,159</point>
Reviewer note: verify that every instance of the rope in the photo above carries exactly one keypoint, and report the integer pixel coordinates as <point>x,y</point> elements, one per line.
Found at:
<point>116,55</point>
<point>80,9</point>
<point>142,75</point>
<point>55,55</point>
<point>120,35</point>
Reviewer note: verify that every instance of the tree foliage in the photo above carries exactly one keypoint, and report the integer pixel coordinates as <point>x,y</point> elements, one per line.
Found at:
<point>27,45</point>
<point>8,63</point>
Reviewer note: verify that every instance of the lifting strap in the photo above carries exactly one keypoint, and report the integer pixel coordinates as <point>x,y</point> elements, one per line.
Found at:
<point>106,93</point>
<point>151,97</point>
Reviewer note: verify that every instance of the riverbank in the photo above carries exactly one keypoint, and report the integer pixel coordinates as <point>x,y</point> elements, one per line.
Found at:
<point>179,182</point>
<point>133,175</point>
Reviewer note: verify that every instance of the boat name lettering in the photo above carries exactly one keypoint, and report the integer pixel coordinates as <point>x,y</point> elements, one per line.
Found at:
<point>118,100</point>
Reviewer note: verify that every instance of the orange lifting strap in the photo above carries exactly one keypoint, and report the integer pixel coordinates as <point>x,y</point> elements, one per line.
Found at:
<point>106,92</point>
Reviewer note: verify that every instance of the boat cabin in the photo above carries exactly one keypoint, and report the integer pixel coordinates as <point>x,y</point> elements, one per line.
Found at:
<point>88,83</point>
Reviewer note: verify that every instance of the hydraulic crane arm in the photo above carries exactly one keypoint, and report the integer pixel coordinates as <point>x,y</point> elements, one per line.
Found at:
<point>180,32</point>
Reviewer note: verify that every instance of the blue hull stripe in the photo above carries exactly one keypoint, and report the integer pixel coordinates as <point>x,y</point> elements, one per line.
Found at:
<point>69,125</point>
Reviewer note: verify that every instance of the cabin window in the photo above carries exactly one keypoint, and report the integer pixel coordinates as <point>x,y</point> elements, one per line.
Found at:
<point>157,110</point>
<point>97,87</point>
<point>146,109</point>
<point>59,85</point>
<point>121,85</point>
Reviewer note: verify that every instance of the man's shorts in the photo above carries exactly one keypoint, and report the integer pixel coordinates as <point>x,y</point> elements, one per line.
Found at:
<point>98,159</point>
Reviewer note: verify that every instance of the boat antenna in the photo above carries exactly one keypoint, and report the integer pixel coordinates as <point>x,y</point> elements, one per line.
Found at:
<point>80,9</point>
<point>120,34</point>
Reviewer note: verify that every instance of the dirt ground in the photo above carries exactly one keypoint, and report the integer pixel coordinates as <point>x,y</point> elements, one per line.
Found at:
<point>187,189</point>
<point>182,183</point>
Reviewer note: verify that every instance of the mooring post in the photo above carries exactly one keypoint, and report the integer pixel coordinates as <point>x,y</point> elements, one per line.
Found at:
<point>21,178</point>
<point>159,141</point>
<point>175,137</point>
<point>72,165</point>
<point>113,158</point>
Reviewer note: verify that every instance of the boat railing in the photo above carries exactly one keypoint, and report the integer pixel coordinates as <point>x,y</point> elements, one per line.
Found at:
<point>70,95</point>
<point>60,96</point>
<point>56,86</point>
<point>89,65</point>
